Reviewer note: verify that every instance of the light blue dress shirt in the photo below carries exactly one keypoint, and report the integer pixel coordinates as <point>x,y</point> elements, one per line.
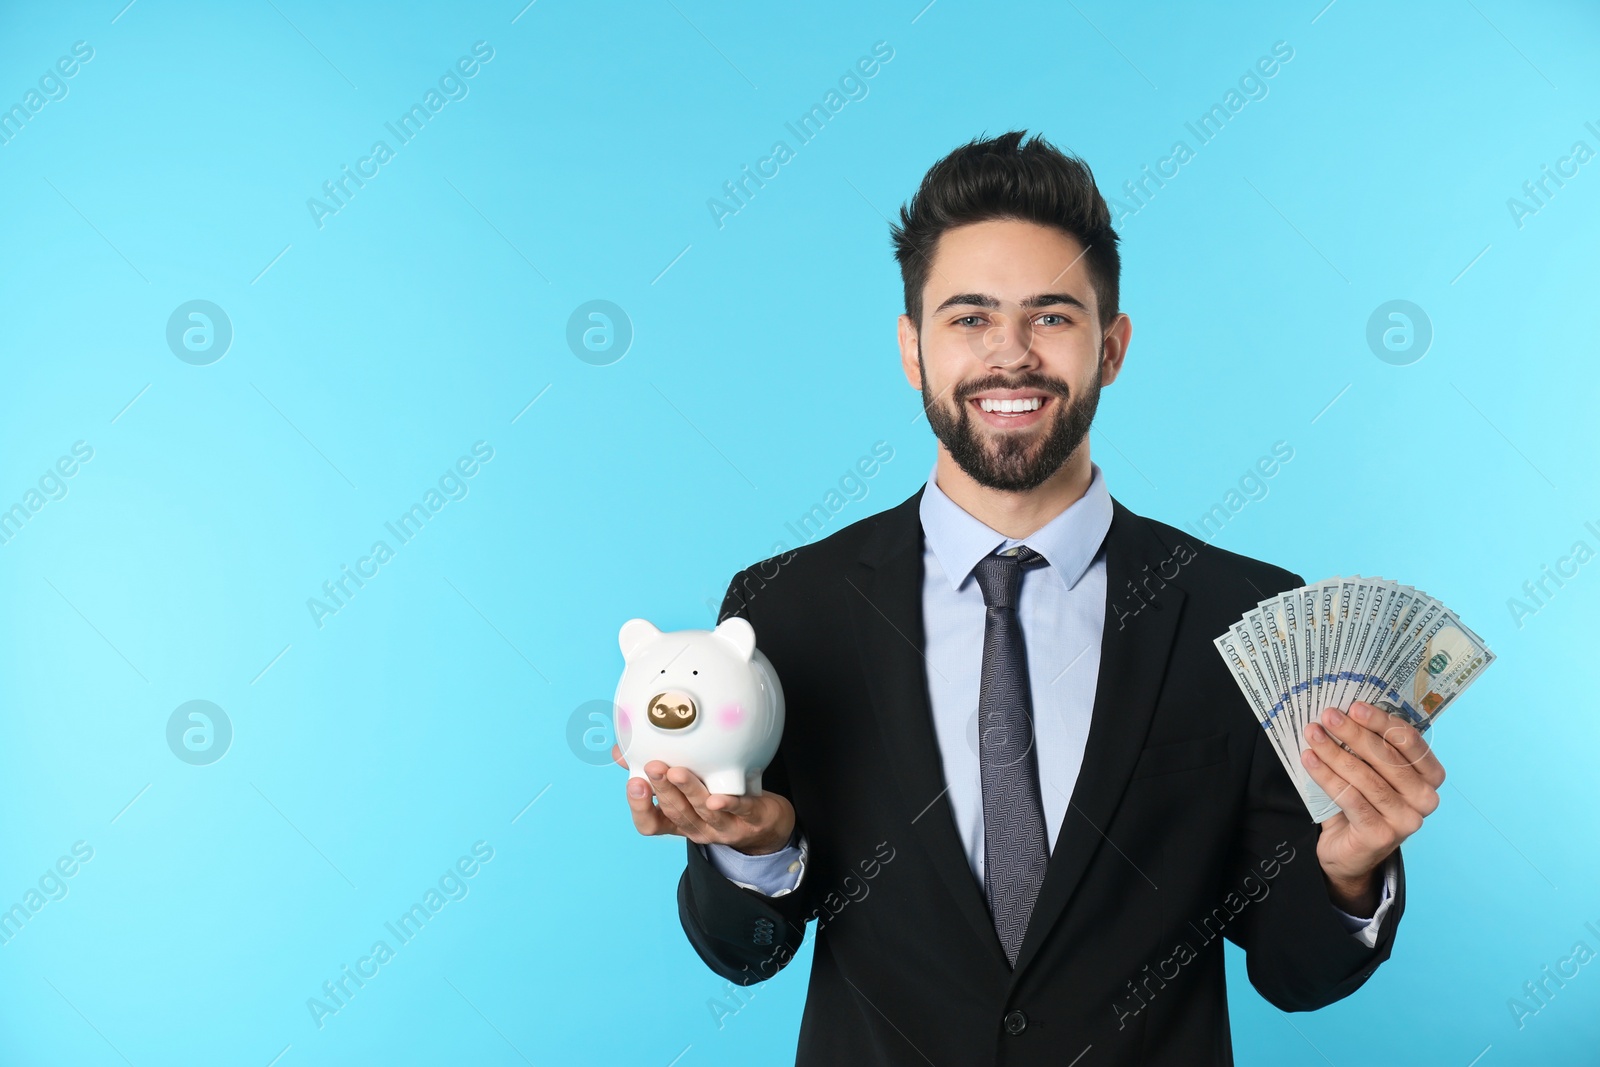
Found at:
<point>1062,607</point>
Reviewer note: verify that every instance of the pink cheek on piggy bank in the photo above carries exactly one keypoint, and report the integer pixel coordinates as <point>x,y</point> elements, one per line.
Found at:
<point>729,716</point>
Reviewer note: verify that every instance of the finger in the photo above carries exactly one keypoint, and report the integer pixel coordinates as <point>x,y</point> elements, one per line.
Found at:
<point>1355,807</point>
<point>1409,746</point>
<point>616,756</point>
<point>1406,740</point>
<point>647,818</point>
<point>1372,747</point>
<point>695,794</point>
<point>1392,808</point>
<point>671,801</point>
<point>737,807</point>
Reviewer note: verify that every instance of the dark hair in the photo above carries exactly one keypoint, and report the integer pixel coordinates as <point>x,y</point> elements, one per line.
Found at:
<point>1004,178</point>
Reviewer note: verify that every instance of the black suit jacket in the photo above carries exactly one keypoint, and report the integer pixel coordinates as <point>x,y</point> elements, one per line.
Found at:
<point>1183,828</point>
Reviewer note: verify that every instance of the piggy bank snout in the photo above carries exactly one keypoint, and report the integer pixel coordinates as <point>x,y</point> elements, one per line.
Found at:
<point>672,710</point>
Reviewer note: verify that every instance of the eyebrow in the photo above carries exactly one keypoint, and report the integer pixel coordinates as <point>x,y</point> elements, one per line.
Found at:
<point>1039,300</point>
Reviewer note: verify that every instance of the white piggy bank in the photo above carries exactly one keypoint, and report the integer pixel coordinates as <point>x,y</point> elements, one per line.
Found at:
<point>707,700</point>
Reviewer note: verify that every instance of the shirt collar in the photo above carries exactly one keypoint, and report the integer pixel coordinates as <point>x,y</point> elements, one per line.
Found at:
<point>1069,542</point>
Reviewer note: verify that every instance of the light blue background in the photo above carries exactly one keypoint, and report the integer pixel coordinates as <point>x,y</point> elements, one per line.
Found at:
<point>368,354</point>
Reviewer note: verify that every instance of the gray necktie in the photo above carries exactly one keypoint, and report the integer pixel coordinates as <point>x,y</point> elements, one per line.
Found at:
<point>1015,847</point>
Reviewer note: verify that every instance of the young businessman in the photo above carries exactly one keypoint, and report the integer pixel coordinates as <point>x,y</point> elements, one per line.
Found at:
<point>1017,788</point>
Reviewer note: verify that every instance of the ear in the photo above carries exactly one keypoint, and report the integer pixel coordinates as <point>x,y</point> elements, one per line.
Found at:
<point>738,633</point>
<point>1117,337</point>
<point>906,332</point>
<point>635,632</point>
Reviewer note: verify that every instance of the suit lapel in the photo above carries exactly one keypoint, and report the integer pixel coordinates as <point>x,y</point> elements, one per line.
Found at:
<point>886,616</point>
<point>1134,652</point>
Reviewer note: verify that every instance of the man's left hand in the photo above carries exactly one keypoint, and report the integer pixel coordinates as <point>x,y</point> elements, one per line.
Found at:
<point>1386,785</point>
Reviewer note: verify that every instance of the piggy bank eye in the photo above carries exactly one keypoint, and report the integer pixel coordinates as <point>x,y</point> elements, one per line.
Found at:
<point>683,711</point>
<point>694,672</point>
<point>658,711</point>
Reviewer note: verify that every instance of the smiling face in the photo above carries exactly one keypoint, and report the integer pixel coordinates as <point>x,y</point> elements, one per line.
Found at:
<point>1011,354</point>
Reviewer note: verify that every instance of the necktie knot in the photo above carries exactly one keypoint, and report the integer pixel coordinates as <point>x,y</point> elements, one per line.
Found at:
<point>1000,572</point>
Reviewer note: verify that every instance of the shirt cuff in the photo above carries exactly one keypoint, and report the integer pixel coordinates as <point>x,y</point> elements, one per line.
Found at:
<point>775,874</point>
<point>1366,930</point>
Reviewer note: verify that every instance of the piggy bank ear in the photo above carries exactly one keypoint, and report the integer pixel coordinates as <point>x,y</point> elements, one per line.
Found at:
<point>738,633</point>
<point>635,632</point>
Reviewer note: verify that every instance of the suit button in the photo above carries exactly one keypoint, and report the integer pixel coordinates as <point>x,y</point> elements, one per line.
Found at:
<point>1016,1022</point>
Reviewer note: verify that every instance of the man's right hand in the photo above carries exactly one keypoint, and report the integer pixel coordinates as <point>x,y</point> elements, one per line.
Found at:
<point>755,825</point>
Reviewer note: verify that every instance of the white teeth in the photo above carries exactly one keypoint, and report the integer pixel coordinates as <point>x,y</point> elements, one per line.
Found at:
<point>1009,406</point>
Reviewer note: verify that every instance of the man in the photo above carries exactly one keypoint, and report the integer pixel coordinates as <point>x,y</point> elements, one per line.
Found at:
<point>1018,789</point>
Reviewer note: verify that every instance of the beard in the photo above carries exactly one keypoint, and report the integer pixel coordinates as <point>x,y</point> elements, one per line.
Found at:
<point>1017,462</point>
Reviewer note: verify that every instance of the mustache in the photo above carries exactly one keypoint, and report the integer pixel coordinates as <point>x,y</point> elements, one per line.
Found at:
<point>1041,384</point>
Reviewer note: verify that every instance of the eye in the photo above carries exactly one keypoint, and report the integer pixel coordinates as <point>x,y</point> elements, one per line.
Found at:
<point>683,711</point>
<point>694,672</point>
<point>1053,315</point>
<point>963,320</point>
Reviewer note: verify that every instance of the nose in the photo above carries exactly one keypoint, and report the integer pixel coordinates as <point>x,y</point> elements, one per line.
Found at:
<point>1008,343</point>
<point>672,710</point>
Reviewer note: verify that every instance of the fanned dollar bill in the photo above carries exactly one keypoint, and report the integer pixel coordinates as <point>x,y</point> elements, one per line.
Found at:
<point>1337,641</point>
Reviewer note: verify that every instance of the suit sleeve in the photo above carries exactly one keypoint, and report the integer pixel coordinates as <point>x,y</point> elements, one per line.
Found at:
<point>742,934</point>
<point>1300,955</point>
